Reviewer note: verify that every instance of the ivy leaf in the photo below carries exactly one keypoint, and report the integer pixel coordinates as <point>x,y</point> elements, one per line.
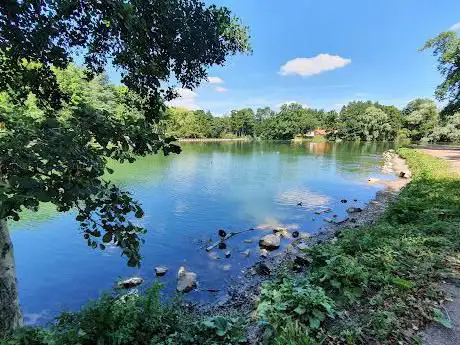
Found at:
<point>440,318</point>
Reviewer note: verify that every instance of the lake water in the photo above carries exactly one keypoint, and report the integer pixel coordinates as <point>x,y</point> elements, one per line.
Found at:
<point>186,199</point>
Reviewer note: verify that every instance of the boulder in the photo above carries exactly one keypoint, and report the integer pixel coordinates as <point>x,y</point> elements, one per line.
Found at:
<point>186,281</point>
<point>295,234</point>
<point>161,270</point>
<point>130,282</point>
<point>270,242</point>
<point>228,254</point>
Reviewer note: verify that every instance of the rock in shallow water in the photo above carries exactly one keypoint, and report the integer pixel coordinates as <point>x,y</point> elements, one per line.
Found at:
<point>186,281</point>
<point>270,242</point>
<point>161,270</point>
<point>131,282</point>
<point>354,209</point>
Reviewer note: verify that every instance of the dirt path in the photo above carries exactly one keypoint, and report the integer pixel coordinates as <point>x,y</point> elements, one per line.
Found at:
<point>452,154</point>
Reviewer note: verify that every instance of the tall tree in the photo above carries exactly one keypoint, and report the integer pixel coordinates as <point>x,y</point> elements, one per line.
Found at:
<point>62,159</point>
<point>242,121</point>
<point>446,47</point>
<point>420,117</point>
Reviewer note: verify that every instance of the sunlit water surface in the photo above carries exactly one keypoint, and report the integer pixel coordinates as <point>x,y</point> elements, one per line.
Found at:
<point>186,199</point>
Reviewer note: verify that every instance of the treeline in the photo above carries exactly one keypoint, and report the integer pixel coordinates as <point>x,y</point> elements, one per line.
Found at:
<point>419,121</point>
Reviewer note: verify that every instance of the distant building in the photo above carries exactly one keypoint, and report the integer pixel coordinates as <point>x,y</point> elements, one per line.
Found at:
<point>319,132</point>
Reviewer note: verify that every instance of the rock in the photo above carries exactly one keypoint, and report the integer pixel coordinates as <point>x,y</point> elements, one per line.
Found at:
<point>404,174</point>
<point>302,246</point>
<point>283,232</point>
<point>262,269</point>
<point>344,201</point>
<point>302,260</point>
<point>222,233</point>
<point>263,253</point>
<point>324,210</point>
<point>295,234</point>
<point>160,271</point>
<point>270,242</point>
<point>246,252</point>
<point>353,220</point>
<point>328,220</point>
<point>222,245</point>
<point>130,283</point>
<point>354,209</point>
<point>186,281</point>
<point>299,203</point>
<point>226,267</point>
<point>304,235</point>
<point>355,200</point>
<point>228,254</point>
<point>247,241</point>
<point>341,221</point>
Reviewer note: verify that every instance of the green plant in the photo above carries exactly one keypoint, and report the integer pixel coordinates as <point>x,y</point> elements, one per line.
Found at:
<point>222,330</point>
<point>294,300</point>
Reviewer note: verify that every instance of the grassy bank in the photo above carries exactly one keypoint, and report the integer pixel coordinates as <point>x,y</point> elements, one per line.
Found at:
<point>375,284</point>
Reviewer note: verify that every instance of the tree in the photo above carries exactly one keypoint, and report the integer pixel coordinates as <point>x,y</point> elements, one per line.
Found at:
<point>367,121</point>
<point>420,117</point>
<point>242,122</point>
<point>61,156</point>
<point>221,126</point>
<point>446,46</point>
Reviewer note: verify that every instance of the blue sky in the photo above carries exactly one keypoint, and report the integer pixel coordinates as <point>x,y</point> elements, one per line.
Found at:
<point>373,45</point>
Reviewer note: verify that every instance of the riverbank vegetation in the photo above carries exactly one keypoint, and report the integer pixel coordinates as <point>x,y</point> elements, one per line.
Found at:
<point>379,283</point>
<point>374,284</point>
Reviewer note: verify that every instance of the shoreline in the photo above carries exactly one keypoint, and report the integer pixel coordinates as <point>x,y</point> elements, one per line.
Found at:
<point>243,294</point>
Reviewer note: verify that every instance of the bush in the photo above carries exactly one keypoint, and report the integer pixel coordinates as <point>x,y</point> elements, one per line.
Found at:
<point>133,319</point>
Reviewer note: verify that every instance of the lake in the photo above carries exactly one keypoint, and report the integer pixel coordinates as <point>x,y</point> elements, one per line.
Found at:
<point>186,199</point>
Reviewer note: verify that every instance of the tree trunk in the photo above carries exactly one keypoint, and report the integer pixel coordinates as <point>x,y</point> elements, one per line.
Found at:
<point>10,314</point>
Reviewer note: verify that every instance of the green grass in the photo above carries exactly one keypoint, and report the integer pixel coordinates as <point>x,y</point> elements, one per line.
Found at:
<point>381,281</point>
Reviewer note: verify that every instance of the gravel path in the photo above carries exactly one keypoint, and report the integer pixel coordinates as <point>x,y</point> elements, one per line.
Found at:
<point>452,154</point>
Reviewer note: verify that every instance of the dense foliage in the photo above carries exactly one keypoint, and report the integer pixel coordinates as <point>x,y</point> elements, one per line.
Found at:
<point>133,319</point>
<point>376,284</point>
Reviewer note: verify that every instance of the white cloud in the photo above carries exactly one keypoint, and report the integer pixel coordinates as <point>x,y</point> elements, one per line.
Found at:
<point>314,65</point>
<point>186,99</point>
<point>215,80</point>
<point>221,89</point>
<point>455,27</point>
